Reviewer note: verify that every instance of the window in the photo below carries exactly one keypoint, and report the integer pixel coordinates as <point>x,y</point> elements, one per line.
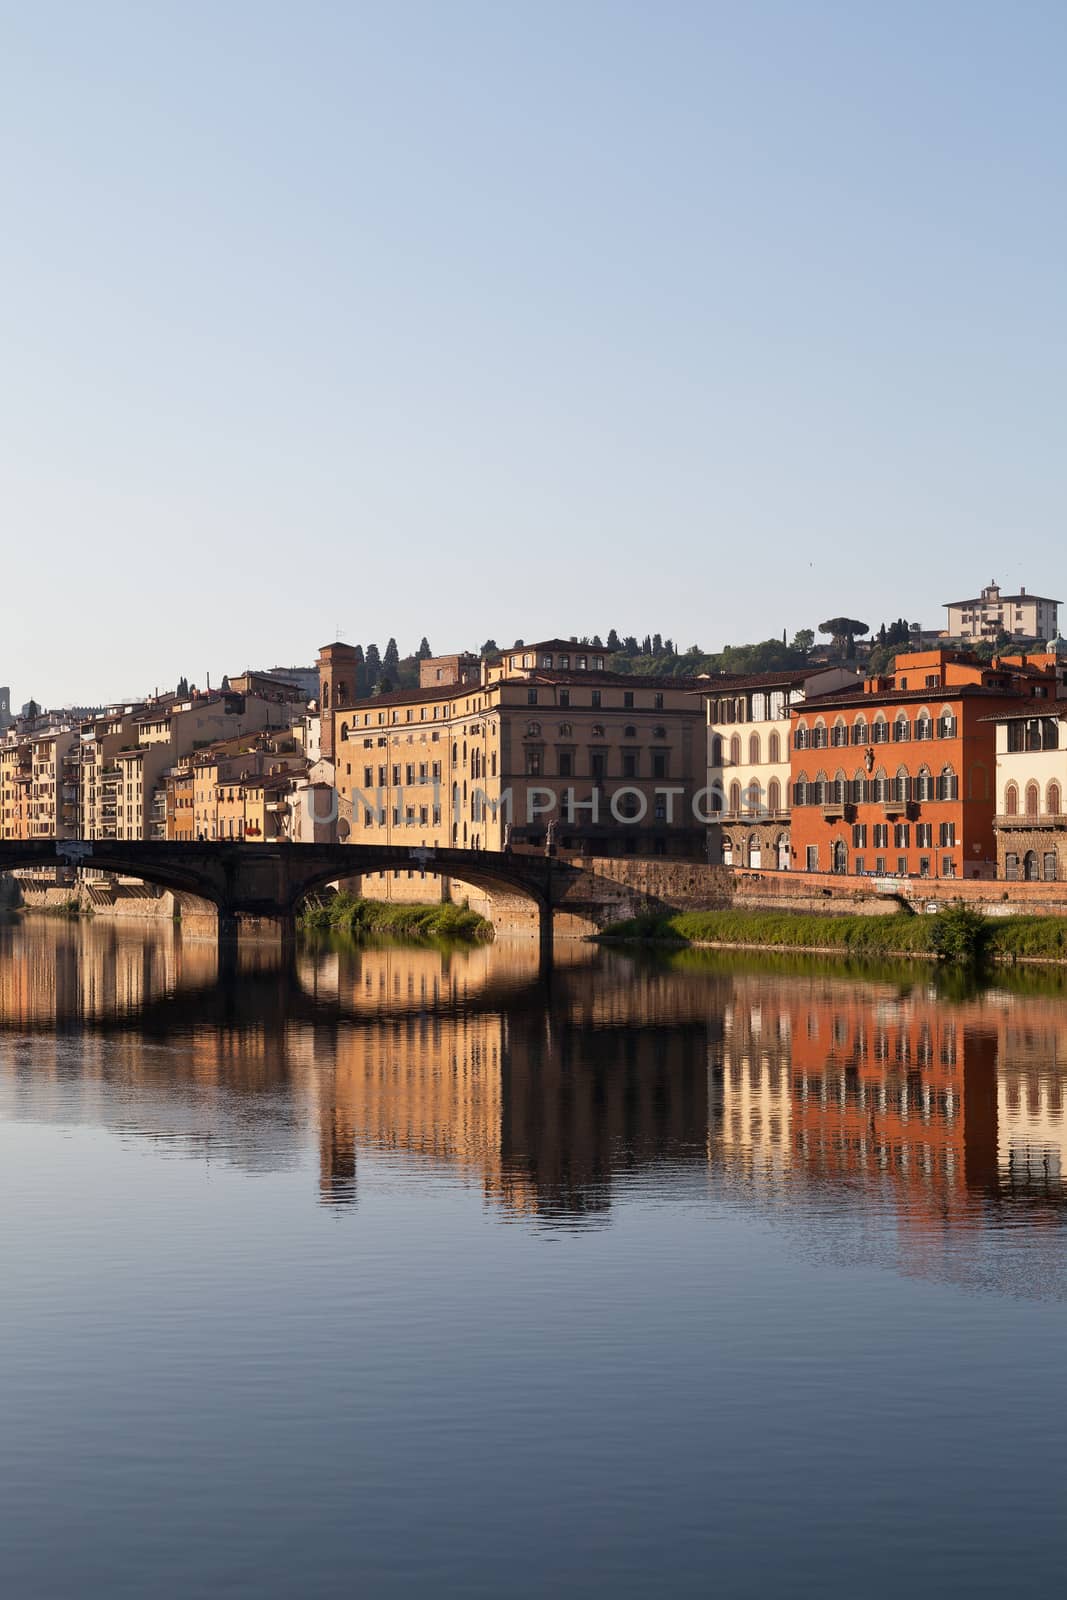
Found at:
<point>812,859</point>
<point>924,835</point>
<point>628,697</point>
<point>533,763</point>
<point>948,785</point>
<point>531,697</point>
<point>859,835</point>
<point>1048,867</point>
<point>902,866</point>
<point>774,795</point>
<point>902,836</point>
<point>946,725</point>
<point>924,784</point>
<point>802,741</point>
<point>565,730</point>
<point>659,764</point>
<point>924,727</point>
<point>1032,800</point>
<point>1011,866</point>
<point>881,835</point>
<point>596,698</point>
<point>859,731</point>
<point>564,697</point>
<point>533,731</point>
<point>901,730</point>
<point>566,765</point>
<point>1052,800</point>
<point>754,749</point>
<point>860,866</point>
<point>774,747</point>
<point>598,764</point>
<point>1011,800</point>
<point>630,732</point>
<point>818,736</point>
<point>924,866</point>
<point>880,732</point>
<point>946,834</point>
<point>659,732</point>
<point>629,763</point>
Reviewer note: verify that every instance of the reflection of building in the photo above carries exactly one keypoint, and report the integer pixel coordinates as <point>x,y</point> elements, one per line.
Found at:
<point>548,1101</point>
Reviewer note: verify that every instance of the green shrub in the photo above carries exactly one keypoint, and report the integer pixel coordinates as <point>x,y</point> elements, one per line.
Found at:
<point>346,913</point>
<point>961,935</point>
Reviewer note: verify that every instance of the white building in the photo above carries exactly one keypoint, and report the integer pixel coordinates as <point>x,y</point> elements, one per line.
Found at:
<point>1022,615</point>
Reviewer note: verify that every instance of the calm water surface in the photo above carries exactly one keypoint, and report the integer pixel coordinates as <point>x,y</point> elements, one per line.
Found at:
<point>396,1272</point>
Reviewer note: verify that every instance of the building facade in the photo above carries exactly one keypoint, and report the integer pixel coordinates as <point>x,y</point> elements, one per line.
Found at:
<point>549,750</point>
<point>897,777</point>
<point>1022,615</point>
<point>748,775</point>
<point>1031,758</point>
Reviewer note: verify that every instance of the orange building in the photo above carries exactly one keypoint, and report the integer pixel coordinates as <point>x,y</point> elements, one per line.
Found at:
<point>897,776</point>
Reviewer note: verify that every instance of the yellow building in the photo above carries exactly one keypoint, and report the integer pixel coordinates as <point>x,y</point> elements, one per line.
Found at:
<point>550,747</point>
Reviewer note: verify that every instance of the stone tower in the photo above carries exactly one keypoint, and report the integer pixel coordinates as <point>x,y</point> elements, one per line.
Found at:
<point>5,709</point>
<point>337,688</point>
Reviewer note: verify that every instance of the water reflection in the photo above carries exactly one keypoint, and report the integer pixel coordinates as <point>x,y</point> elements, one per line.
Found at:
<point>776,1081</point>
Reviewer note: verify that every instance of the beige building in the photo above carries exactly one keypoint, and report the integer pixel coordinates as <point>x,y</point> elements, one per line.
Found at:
<point>1022,615</point>
<point>550,749</point>
<point>1031,820</point>
<point>748,758</point>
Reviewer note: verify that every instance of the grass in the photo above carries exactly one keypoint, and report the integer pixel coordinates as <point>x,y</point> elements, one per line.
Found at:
<point>346,913</point>
<point>956,935</point>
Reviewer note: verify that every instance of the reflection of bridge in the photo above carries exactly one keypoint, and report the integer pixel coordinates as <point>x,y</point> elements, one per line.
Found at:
<point>264,881</point>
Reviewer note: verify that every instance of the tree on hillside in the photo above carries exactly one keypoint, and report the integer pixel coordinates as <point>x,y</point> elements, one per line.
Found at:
<point>803,640</point>
<point>183,688</point>
<point>362,685</point>
<point>519,644</point>
<point>373,664</point>
<point>384,684</point>
<point>423,653</point>
<point>646,645</point>
<point>657,644</point>
<point>489,649</point>
<point>844,632</point>
<point>391,658</point>
<point>598,643</point>
<point>630,645</point>
<point>614,642</point>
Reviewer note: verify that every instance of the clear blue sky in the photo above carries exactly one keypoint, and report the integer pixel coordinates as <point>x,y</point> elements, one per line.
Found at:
<point>501,319</point>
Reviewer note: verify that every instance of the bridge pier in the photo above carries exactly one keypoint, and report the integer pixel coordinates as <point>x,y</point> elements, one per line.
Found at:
<point>546,936</point>
<point>274,929</point>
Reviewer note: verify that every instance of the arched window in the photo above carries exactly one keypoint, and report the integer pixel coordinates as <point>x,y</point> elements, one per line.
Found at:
<point>753,799</point>
<point>901,730</point>
<point>629,732</point>
<point>1033,800</point>
<point>1011,800</point>
<point>802,739</point>
<point>532,731</point>
<point>774,747</point>
<point>716,750</point>
<point>735,749</point>
<point>859,731</point>
<point>946,724</point>
<point>1052,799</point>
<point>948,785</point>
<point>924,727</point>
<point>900,785</point>
<point>755,858</point>
<point>818,736</point>
<point>1030,872</point>
<point>800,791</point>
<point>565,730</point>
<point>659,733</point>
<point>820,789</point>
<point>774,795</point>
<point>924,784</point>
<point>839,788</point>
<point>754,749</point>
<point>881,786</point>
<point>344,730</point>
<point>735,798</point>
<point>880,730</point>
<point>598,731</point>
<point>858,789</point>
<point>840,856</point>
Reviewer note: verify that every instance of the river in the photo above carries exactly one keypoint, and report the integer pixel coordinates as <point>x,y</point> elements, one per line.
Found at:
<point>401,1271</point>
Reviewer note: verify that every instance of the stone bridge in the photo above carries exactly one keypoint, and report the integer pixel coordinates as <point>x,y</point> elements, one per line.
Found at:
<point>269,882</point>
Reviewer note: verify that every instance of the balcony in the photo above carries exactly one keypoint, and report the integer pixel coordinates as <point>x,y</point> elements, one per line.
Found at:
<point>1046,821</point>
